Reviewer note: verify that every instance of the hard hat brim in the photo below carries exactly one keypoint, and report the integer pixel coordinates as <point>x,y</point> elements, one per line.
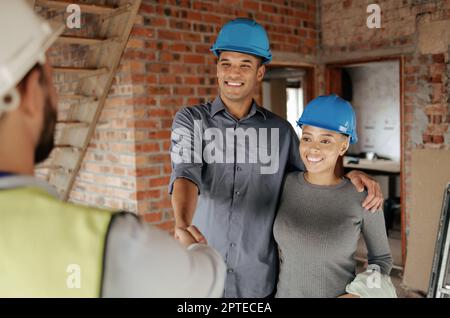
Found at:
<point>232,48</point>
<point>353,139</point>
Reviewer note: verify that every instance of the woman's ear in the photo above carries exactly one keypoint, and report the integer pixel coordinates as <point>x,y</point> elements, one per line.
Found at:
<point>344,146</point>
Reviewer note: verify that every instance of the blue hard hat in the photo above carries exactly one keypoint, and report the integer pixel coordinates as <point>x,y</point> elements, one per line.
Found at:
<point>331,112</point>
<point>244,36</point>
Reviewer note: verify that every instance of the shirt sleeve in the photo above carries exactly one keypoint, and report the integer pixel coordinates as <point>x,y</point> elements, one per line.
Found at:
<point>374,232</point>
<point>374,283</point>
<point>185,149</point>
<point>143,261</point>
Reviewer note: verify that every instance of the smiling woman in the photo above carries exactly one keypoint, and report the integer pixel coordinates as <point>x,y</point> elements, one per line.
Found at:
<point>320,217</point>
<point>319,151</point>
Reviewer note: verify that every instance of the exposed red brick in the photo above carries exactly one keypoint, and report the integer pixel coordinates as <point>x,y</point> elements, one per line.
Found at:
<point>158,182</point>
<point>152,217</point>
<point>438,58</point>
<point>168,65</point>
<point>438,139</point>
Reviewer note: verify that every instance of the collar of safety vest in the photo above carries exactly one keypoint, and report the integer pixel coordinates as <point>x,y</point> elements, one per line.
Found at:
<point>12,181</point>
<point>218,105</point>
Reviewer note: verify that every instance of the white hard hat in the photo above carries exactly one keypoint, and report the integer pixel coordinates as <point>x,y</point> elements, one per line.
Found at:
<point>24,39</point>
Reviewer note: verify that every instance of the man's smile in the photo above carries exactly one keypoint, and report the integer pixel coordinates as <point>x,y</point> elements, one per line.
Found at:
<point>234,83</point>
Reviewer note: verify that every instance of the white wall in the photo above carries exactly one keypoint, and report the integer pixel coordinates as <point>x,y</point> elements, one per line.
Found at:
<point>267,100</point>
<point>376,99</point>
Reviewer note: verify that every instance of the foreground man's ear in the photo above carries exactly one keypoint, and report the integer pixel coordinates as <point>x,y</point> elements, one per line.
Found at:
<point>31,93</point>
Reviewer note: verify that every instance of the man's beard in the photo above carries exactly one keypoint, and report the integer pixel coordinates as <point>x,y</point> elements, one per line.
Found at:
<point>47,138</point>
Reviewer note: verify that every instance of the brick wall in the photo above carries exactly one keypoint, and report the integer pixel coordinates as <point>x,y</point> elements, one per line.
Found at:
<point>166,65</point>
<point>173,67</point>
<point>107,177</point>
<point>415,30</point>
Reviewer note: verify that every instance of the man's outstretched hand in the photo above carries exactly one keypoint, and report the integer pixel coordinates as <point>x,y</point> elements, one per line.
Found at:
<point>375,198</point>
<point>189,235</point>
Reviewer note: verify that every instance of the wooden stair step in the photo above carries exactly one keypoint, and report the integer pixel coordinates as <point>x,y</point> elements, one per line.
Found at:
<point>85,8</point>
<point>73,135</point>
<point>83,112</point>
<point>59,178</point>
<point>73,122</point>
<point>66,157</point>
<point>68,39</point>
<point>81,71</point>
<point>47,167</point>
<point>77,97</point>
<point>63,146</point>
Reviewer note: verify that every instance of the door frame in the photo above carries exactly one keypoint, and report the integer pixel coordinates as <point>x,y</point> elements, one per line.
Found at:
<point>310,78</point>
<point>329,67</point>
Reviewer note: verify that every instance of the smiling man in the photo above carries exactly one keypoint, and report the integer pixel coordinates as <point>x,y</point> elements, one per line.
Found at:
<point>232,202</point>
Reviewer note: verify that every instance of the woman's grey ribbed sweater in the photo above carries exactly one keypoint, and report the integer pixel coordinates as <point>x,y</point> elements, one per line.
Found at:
<point>317,230</point>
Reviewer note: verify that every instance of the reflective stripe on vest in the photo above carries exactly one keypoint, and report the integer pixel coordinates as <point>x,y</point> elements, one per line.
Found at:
<point>50,248</point>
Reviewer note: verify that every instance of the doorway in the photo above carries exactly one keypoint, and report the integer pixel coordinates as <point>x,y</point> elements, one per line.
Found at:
<point>374,88</point>
<point>286,90</point>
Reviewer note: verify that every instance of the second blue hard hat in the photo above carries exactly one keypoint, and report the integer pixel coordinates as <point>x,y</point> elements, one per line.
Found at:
<point>244,36</point>
<point>331,112</point>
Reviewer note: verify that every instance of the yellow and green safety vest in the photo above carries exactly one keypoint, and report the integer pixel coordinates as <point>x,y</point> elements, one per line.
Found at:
<point>50,248</point>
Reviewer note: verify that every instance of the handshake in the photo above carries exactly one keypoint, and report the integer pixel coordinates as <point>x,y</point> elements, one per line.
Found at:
<point>189,235</point>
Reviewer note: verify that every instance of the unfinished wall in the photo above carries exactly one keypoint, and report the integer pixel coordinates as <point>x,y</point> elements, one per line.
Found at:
<point>167,64</point>
<point>416,30</point>
<point>428,190</point>
<point>376,99</point>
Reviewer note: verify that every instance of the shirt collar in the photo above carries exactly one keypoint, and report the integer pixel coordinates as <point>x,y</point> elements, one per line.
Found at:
<point>19,181</point>
<point>218,105</point>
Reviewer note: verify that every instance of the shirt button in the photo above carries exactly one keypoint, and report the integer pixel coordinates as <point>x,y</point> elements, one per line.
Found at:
<point>238,193</point>
<point>238,168</point>
<point>232,244</point>
<point>230,270</point>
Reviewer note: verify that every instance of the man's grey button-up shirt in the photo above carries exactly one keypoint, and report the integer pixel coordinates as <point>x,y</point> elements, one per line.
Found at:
<point>238,167</point>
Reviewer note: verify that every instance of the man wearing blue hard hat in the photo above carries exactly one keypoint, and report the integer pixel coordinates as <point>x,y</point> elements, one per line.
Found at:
<point>225,200</point>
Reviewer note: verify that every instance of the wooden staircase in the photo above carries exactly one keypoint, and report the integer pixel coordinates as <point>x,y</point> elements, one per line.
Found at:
<point>93,82</point>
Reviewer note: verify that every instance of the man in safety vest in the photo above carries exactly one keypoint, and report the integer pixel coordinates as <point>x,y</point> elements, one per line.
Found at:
<point>51,248</point>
